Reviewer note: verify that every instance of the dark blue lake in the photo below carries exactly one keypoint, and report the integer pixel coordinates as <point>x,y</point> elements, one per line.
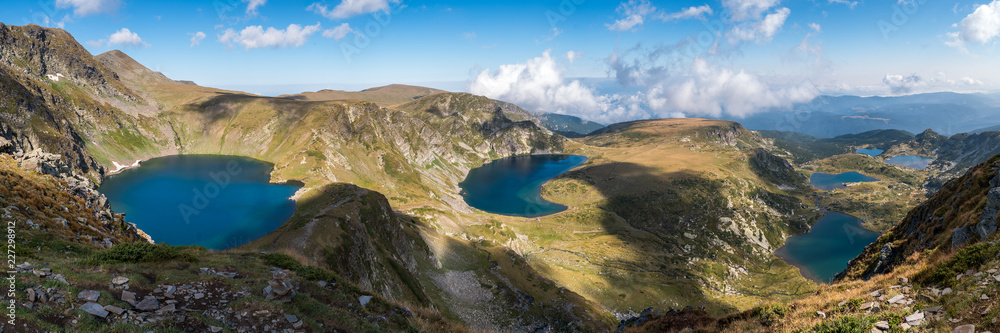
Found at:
<point>513,185</point>
<point>214,201</point>
<point>871,152</point>
<point>910,161</point>
<point>825,250</point>
<point>826,181</point>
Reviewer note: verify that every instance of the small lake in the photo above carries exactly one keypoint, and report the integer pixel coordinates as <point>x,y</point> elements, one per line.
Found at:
<point>870,152</point>
<point>910,161</point>
<point>215,201</point>
<point>513,185</point>
<point>827,182</point>
<point>825,250</point>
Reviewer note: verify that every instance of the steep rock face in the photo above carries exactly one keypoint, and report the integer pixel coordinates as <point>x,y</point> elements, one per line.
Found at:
<point>963,211</point>
<point>54,204</point>
<point>38,51</point>
<point>775,169</point>
<point>354,231</point>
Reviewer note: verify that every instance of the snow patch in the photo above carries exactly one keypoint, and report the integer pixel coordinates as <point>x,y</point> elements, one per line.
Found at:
<point>119,167</point>
<point>54,77</point>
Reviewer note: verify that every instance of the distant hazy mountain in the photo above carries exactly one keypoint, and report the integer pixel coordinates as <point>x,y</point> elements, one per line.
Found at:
<point>567,125</point>
<point>987,129</point>
<point>829,116</point>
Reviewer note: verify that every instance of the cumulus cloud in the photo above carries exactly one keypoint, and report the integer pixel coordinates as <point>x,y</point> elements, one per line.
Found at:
<point>125,38</point>
<point>982,26</point>
<point>350,8</point>
<point>851,4</point>
<point>899,84</point>
<point>252,6</point>
<point>815,27</point>
<point>196,38</point>
<point>693,12</point>
<point>970,81</point>
<point>255,36</point>
<point>537,84</point>
<point>635,12</point>
<point>339,32</point>
<point>573,55</point>
<point>88,7</point>
<point>761,30</point>
<point>744,10</point>
<point>694,88</point>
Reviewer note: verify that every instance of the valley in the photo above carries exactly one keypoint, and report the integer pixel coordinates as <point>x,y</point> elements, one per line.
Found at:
<point>665,214</point>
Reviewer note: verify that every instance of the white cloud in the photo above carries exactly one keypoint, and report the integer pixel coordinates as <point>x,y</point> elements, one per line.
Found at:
<point>339,32</point>
<point>126,38</point>
<point>851,4</point>
<point>899,84</point>
<point>255,36</point>
<point>982,26</point>
<point>87,7</point>
<point>696,88</point>
<point>698,12</point>
<point>469,35</point>
<point>815,27</point>
<point>196,38</point>
<point>539,85</point>
<point>573,55</point>
<point>634,12</point>
<point>970,81</point>
<point>349,8</point>
<point>96,43</point>
<point>252,6</point>
<point>744,10</point>
<point>760,31</point>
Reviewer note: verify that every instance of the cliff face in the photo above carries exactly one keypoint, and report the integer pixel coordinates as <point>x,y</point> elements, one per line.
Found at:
<point>963,211</point>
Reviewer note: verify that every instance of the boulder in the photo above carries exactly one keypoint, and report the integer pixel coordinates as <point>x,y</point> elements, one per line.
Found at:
<point>94,309</point>
<point>964,329</point>
<point>119,280</point>
<point>89,295</point>
<point>149,303</point>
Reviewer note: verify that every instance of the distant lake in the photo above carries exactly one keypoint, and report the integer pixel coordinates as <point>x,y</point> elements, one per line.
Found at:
<point>513,185</point>
<point>825,250</point>
<point>826,181</point>
<point>910,161</point>
<point>214,201</point>
<point>872,152</point>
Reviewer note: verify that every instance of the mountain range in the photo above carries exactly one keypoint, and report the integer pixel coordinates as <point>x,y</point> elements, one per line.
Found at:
<point>665,214</point>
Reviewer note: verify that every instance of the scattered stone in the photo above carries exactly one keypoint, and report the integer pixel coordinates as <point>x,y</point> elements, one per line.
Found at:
<point>869,306</point>
<point>119,280</point>
<point>89,295</point>
<point>984,297</point>
<point>876,294</point>
<point>946,291</point>
<point>148,303</point>
<point>365,299</point>
<point>882,325</point>
<point>904,280</point>
<point>915,319</point>
<point>291,318</point>
<point>199,295</point>
<point>166,310</point>
<point>322,284</point>
<point>964,329</point>
<point>896,299</point>
<point>60,278</point>
<point>94,309</point>
<point>933,309</point>
<point>129,297</point>
<point>215,329</point>
<point>904,326</point>
<point>114,309</point>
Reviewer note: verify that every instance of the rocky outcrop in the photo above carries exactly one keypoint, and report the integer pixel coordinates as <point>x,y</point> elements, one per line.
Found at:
<point>775,169</point>
<point>945,221</point>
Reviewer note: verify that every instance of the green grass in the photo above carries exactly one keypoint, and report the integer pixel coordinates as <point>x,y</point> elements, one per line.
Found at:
<point>144,253</point>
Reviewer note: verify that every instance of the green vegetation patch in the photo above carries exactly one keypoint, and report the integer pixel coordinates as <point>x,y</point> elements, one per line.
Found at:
<point>144,252</point>
<point>969,257</point>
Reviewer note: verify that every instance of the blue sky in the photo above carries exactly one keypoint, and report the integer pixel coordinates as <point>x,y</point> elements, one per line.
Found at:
<point>656,58</point>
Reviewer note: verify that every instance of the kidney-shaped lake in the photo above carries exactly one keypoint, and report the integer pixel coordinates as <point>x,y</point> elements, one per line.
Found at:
<point>214,201</point>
